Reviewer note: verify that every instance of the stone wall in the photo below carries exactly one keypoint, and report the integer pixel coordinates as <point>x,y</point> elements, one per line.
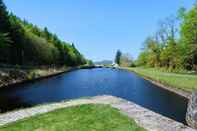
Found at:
<point>191,116</point>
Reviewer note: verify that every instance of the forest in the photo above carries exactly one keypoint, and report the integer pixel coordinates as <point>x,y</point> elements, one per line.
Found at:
<point>25,44</point>
<point>174,45</point>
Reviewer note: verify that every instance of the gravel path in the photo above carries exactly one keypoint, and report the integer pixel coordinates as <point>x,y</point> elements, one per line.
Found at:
<point>143,117</point>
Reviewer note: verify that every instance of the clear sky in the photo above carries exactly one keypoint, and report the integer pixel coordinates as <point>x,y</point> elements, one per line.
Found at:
<point>99,27</point>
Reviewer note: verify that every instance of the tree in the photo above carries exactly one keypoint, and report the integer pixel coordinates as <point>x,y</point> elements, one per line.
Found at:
<point>168,29</point>
<point>4,40</point>
<point>47,35</point>
<point>4,18</point>
<point>161,49</point>
<point>153,49</point>
<point>90,63</point>
<point>171,56</point>
<point>126,60</point>
<point>118,56</point>
<point>143,59</point>
<point>5,28</point>
<point>17,34</point>
<point>181,13</point>
<point>189,37</point>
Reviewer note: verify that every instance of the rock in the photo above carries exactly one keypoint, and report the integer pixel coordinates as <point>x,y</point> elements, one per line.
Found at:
<point>191,116</point>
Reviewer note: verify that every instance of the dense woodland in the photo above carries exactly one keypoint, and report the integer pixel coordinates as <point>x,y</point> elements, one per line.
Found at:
<point>174,45</point>
<point>22,43</point>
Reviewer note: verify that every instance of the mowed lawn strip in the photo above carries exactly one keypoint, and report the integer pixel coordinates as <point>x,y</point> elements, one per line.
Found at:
<point>90,117</point>
<point>186,82</point>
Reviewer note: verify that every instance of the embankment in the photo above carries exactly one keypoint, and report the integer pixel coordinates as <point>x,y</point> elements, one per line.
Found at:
<point>176,83</point>
<point>14,76</point>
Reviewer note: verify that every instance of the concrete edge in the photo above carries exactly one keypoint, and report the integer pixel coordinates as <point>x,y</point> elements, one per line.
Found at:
<point>143,117</point>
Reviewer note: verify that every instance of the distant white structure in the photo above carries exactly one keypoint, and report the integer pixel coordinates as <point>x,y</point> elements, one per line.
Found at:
<point>115,65</point>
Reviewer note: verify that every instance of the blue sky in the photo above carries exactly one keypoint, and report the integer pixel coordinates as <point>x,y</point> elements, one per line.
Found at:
<point>99,27</point>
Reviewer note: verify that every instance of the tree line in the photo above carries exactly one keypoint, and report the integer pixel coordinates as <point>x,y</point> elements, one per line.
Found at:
<point>22,43</point>
<point>174,45</point>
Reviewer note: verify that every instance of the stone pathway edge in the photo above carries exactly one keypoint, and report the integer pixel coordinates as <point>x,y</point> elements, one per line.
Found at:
<point>144,117</point>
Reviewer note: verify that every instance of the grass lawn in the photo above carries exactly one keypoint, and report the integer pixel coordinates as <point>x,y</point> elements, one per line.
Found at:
<point>187,82</point>
<point>79,118</point>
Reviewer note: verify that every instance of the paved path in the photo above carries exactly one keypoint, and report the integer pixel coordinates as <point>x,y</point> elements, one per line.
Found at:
<point>143,117</point>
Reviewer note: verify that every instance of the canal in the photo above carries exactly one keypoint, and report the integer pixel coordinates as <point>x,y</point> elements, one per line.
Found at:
<point>93,82</point>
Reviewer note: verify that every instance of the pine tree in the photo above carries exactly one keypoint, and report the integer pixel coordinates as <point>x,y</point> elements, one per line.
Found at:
<point>118,56</point>
<point>4,40</point>
<point>4,18</point>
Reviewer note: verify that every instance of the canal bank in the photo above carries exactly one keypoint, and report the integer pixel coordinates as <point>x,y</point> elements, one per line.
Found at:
<point>142,116</point>
<point>10,77</point>
<point>163,84</point>
<point>161,81</point>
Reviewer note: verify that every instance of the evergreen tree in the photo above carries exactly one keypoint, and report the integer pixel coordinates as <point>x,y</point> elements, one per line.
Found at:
<point>4,18</point>
<point>47,34</point>
<point>4,40</point>
<point>118,56</point>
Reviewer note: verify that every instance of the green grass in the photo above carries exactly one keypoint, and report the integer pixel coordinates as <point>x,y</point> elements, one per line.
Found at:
<point>186,82</point>
<point>79,118</point>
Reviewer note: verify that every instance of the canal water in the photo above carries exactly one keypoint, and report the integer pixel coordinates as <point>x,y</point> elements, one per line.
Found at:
<point>93,82</point>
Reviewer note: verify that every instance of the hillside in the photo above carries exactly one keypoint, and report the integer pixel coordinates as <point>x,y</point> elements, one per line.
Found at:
<point>22,43</point>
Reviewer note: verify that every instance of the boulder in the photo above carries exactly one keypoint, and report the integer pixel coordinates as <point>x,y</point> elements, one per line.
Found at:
<point>191,116</point>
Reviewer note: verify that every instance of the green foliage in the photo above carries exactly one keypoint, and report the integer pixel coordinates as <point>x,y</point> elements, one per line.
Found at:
<point>167,50</point>
<point>4,40</point>
<point>189,37</point>
<point>126,60</point>
<point>68,54</point>
<point>153,52</point>
<point>143,59</point>
<point>156,54</point>
<point>189,27</point>
<point>31,45</point>
<point>171,55</point>
<point>39,51</point>
<point>4,18</point>
<point>181,13</point>
<point>117,57</point>
<point>90,63</point>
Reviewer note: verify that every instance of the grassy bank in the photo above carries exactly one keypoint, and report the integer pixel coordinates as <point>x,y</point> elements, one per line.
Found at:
<point>79,118</point>
<point>186,82</point>
<point>11,76</point>
<point>14,75</point>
